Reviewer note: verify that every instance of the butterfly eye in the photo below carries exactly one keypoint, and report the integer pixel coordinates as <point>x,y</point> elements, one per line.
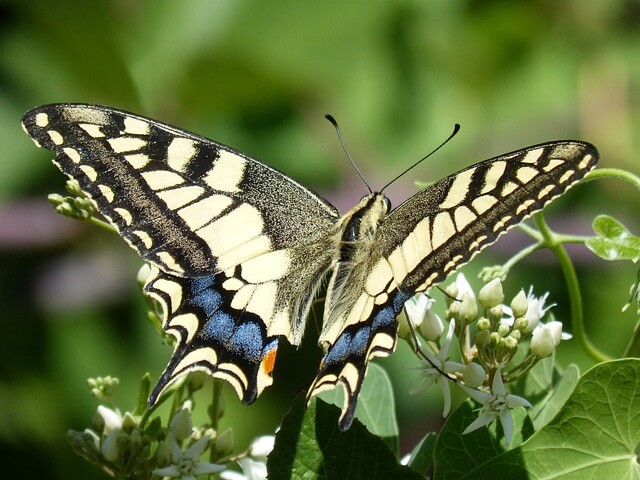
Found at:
<point>387,203</point>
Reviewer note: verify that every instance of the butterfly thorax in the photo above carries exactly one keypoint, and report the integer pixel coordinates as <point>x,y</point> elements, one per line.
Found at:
<point>358,247</point>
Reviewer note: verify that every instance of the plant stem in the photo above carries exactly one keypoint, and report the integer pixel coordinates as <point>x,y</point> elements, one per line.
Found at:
<point>613,173</point>
<point>573,288</point>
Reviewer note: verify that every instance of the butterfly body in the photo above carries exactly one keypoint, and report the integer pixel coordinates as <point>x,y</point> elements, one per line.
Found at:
<point>238,250</point>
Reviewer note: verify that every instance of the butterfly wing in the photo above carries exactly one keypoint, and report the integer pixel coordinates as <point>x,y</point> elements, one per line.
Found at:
<point>431,235</point>
<point>237,248</point>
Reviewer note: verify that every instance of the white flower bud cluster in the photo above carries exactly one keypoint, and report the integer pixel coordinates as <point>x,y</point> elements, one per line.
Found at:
<point>488,339</point>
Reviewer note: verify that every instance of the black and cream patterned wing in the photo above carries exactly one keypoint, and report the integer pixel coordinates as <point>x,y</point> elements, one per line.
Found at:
<point>431,235</point>
<point>237,248</point>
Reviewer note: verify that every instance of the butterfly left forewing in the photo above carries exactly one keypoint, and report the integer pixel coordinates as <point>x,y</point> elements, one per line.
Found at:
<point>429,236</point>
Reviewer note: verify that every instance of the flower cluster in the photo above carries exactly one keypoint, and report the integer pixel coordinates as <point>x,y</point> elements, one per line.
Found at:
<point>488,339</point>
<point>134,445</point>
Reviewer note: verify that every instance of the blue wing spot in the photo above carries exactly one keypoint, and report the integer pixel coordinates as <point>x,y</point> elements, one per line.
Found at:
<point>218,327</point>
<point>338,351</point>
<point>247,338</point>
<point>398,301</point>
<point>204,295</point>
<point>384,317</point>
<point>360,341</point>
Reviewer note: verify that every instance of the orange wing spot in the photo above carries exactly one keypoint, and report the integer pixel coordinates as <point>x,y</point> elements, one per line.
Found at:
<point>269,361</point>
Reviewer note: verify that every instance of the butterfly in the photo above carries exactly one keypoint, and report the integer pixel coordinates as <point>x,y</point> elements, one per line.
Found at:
<point>238,250</point>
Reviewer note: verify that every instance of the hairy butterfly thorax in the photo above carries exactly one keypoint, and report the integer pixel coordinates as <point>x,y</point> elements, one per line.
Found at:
<point>239,249</point>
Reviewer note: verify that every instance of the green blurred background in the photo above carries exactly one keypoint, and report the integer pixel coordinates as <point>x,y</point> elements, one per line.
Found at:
<point>259,76</point>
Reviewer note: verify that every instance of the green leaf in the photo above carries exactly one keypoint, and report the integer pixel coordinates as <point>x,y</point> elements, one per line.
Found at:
<point>309,445</point>
<point>376,405</point>
<point>614,242</point>
<point>594,435</point>
<point>143,394</point>
<point>421,457</point>
<point>455,454</point>
<point>547,388</point>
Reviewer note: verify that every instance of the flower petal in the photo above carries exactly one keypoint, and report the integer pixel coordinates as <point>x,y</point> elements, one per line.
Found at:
<point>195,451</point>
<point>513,401</point>
<point>483,420</point>
<point>507,425</point>
<point>204,467</point>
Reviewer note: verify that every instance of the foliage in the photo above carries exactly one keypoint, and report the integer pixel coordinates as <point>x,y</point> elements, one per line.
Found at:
<point>259,76</point>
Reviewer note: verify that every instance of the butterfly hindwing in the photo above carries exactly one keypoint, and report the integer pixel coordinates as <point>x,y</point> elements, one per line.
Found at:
<point>200,212</point>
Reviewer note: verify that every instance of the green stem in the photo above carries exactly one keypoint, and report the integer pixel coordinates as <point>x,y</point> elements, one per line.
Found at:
<point>613,173</point>
<point>573,288</point>
<point>102,224</point>
<point>532,232</point>
<point>521,254</point>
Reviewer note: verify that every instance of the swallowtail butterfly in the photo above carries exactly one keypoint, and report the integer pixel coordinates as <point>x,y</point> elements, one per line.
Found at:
<point>238,249</point>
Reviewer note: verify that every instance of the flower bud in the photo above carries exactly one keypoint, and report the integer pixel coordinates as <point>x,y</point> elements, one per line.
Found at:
<point>519,304</point>
<point>495,313</point>
<point>473,375</point>
<point>180,425</point>
<point>403,326</point>
<point>129,422</point>
<point>451,292</point>
<point>483,324</point>
<point>533,315</point>
<point>416,308</point>
<point>503,330</point>
<point>496,340</point>
<point>520,324</point>
<point>491,294</point>
<point>112,419</point>
<point>162,455</point>
<point>88,437</point>
<point>510,343</point>
<point>143,274</point>
<point>224,443</point>
<point>468,309</point>
<point>55,199</point>
<point>483,339</point>
<point>109,448</point>
<point>516,335</point>
<point>542,342</point>
<point>431,327</point>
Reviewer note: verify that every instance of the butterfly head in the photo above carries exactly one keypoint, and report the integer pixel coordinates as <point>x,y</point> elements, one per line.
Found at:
<point>363,220</point>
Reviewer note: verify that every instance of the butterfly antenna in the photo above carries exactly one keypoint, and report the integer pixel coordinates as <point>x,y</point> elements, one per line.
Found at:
<point>335,125</point>
<point>456,129</point>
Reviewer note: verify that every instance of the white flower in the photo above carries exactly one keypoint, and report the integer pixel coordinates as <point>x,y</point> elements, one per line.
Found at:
<point>431,370</point>
<point>187,465</point>
<point>112,419</point>
<point>254,468</point>
<point>545,338</point>
<point>464,286</point>
<point>262,446</point>
<point>536,310</point>
<point>417,307</point>
<point>496,404</point>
